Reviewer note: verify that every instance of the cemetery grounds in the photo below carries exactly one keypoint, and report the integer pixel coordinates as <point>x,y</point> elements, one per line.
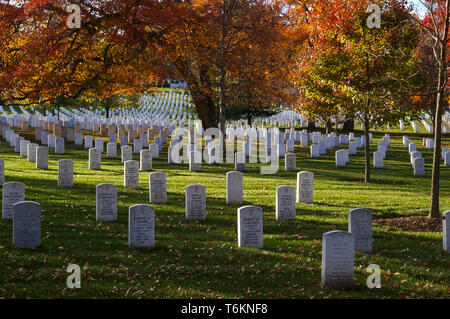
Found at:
<point>200,259</point>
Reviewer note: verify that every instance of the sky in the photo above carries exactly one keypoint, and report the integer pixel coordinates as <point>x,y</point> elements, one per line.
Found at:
<point>418,7</point>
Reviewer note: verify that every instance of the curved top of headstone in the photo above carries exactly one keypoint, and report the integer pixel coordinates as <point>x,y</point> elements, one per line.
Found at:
<point>142,208</point>
<point>360,211</point>
<point>237,173</point>
<point>106,187</point>
<point>337,234</point>
<point>195,187</point>
<point>305,173</point>
<point>63,161</point>
<point>26,204</point>
<point>290,155</point>
<point>250,209</point>
<point>285,188</point>
<point>14,185</point>
<point>156,174</point>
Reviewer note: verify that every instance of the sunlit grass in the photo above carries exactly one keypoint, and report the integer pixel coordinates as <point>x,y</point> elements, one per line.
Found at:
<point>201,259</point>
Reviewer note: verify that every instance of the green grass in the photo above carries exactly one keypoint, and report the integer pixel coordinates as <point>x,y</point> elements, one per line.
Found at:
<point>201,259</point>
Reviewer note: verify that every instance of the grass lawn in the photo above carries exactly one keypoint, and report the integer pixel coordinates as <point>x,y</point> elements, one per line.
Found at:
<point>201,259</point>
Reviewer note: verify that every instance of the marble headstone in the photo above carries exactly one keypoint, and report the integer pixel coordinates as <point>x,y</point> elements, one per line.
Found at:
<point>446,230</point>
<point>195,202</point>
<point>27,225</point>
<point>285,203</point>
<point>157,188</point>
<point>13,192</point>
<point>250,227</point>
<point>360,225</point>
<point>290,162</point>
<point>131,174</point>
<point>65,173</point>
<point>305,187</point>
<point>235,190</point>
<point>146,160</point>
<point>42,157</point>
<point>338,251</point>
<point>95,159</point>
<point>106,202</point>
<point>141,226</point>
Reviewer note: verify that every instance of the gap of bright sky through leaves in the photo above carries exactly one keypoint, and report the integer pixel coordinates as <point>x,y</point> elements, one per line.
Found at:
<point>419,9</point>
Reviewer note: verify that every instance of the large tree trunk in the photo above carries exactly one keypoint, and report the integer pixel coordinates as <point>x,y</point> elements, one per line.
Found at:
<point>206,109</point>
<point>203,101</point>
<point>249,118</point>
<point>222,74</point>
<point>328,127</point>
<point>366,151</point>
<point>434,209</point>
<point>442,82</point>
<point>349,126</point>
<point>311,125</point>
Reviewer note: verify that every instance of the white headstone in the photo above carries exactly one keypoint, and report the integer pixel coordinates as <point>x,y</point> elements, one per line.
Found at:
<point>290,162</point>
<point>65,173</point>
<point>341,158</point>
<point>419,166</point>
<point>235,188</point>
<point>141,226</point>
<point>126,153</point>
<point>31,152</point>
<point>88,141</point>
<point>111,150</point>
<point>95,159</point>
<point>195,202</point>
<point>59,146</point>
<point>285,203</point>
<point>157,188</point>
<point>195,163</point>
<point>338,254</point>
<point>360,225</point>
<point>305,187</point>
<point>446,230</point>
<point>13,192</point>
<point>131,174</point>
<point>23,148</point>
<point>447,158</point>
<point>315,151</point>
<point>239,163</point>
<point>2,171</point>
<point>250,227</point>
<point>42,157</point>
<point>412,147</point>
<point>378,159</point>
<point>99,145</point>
<point>154,148</point>
<point>27,225</point>
<point>106,202</point>
<point>146,160</point>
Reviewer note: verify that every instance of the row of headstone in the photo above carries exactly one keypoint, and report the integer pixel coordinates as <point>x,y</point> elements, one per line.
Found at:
<point>380,155</point>
<point>416,159</point>
<point>338,249</point>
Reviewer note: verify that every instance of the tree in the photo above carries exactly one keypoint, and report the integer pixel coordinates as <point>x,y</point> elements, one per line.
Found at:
<point>374,69</point>
<point>74,62</point>
<point>436,25</point>
<point>131,45</point>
